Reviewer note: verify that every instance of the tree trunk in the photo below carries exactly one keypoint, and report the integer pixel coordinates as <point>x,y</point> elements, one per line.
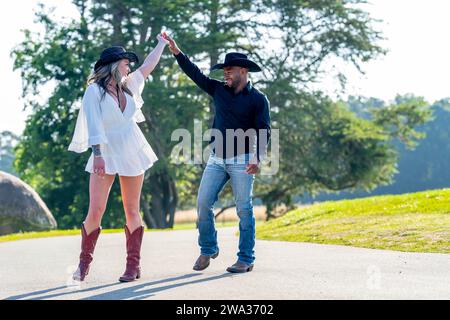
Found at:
<point>160,214</point>
<point>213,52</point>
<point>119,15</point>
<point>148,218</point>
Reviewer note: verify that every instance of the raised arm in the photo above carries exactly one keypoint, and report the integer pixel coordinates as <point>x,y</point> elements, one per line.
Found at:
<point>152,59</point>
<point>192,71</point>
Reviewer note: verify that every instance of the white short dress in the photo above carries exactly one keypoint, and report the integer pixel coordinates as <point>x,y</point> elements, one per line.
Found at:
<point>100,121</point>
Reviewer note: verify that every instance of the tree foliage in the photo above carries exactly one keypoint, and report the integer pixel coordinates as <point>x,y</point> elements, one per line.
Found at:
<point>324,146</point>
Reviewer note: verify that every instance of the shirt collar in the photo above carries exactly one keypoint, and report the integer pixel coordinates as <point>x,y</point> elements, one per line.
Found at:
<point>248,87</point>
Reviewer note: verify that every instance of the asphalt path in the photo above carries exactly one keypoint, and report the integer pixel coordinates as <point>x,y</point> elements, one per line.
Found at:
<point>41,269</point>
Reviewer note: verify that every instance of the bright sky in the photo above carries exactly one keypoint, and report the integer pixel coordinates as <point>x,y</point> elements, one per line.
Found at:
<point>417,62</point>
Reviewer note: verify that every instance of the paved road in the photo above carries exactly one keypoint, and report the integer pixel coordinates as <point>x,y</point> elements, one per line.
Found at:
<point>41,269</point>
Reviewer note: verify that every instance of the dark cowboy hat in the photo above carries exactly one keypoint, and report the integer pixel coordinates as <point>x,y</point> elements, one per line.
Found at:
<point>114,54</point>
<point>238,60</point>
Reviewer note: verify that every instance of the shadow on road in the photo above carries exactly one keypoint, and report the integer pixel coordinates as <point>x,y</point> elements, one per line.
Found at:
<point>22,296</point>
<point>71,291</point>
<point>137,292</point>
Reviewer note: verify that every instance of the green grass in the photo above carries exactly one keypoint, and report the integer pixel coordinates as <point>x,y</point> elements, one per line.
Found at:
<point>72,232</point>
<point>416,222</point>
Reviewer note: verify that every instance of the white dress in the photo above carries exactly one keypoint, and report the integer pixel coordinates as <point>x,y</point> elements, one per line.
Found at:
<point>122,143</point>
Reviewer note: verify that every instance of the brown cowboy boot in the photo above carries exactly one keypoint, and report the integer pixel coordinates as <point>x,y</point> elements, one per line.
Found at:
<point>134,241</point>
<point>88,243</point>
<point>203,261</point>
<point>240,267</point>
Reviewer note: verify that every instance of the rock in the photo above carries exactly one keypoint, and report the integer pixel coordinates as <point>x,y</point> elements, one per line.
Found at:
<point>21,208</point>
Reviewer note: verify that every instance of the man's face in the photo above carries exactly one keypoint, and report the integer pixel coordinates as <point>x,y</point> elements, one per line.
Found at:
<point>233,75</point>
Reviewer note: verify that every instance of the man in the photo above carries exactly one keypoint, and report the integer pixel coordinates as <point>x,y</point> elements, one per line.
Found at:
<point>239,108</point>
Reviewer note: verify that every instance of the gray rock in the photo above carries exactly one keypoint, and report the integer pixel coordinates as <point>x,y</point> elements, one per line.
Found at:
<point>21,208</point>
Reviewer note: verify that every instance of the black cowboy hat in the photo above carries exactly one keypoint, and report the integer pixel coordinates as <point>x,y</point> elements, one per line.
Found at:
<point>239,60</point>
<point>114,54</point>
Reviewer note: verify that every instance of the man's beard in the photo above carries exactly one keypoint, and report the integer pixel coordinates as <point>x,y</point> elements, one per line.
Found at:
<point>235,83</point>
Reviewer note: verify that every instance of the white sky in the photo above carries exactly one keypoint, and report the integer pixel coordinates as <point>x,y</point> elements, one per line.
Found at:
<point>417,62</point>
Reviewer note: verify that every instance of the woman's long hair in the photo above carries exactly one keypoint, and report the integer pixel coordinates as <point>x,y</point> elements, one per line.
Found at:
<point>104,74</point>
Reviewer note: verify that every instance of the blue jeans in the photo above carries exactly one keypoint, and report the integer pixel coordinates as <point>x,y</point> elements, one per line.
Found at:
<point>218,171</point>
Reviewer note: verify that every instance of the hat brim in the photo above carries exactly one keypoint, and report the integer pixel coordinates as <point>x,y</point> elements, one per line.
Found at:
<point>130,56</point>
<point>243,63</point>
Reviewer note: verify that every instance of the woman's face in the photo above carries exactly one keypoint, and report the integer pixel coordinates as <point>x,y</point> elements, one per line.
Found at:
<point>124,67</point>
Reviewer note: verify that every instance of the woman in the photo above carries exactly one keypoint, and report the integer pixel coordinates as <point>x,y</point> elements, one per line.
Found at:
<point>107,122</point>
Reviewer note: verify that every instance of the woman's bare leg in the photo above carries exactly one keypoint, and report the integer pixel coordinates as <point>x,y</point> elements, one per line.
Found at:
<point>134,231</point>
<point>131,193</point>
<point>99,189</point>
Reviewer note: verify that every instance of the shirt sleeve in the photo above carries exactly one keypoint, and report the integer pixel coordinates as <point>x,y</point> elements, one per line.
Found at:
<point>204,82</point>
<point>262,125</point>
<point>89,129</point>
<point>135,83</point>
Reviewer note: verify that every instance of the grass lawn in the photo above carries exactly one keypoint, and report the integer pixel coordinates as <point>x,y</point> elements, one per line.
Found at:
<point>416,222</point>
<point>71,232</point>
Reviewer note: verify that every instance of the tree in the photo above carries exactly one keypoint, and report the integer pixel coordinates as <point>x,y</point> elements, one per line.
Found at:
<point>7,142</point>
<point>421,167</point>
<point>65,54</point>
<point>323,147</point>
<point>427,166</point>
<point>61,54</point>
<point>304,35</point>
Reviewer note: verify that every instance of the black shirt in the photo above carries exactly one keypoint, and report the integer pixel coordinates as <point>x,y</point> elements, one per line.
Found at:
<point>248,110</point>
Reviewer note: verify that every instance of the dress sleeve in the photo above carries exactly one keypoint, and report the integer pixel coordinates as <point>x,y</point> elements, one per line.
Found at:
<point>135,83</point>
<point>89,129</point>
